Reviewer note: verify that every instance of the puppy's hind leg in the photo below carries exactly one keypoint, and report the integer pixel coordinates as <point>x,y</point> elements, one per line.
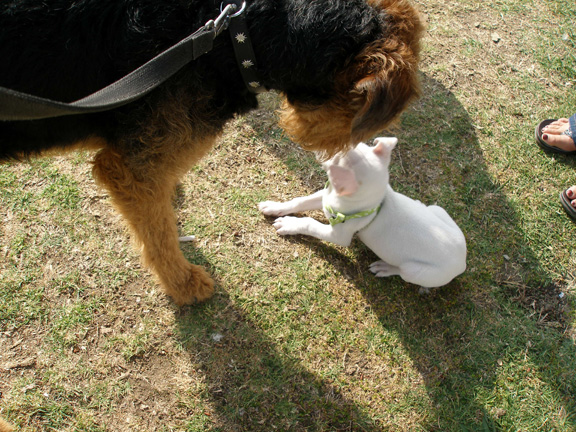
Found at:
<point>426,275</point>
<point>143,192</point>
<point>383,269</point>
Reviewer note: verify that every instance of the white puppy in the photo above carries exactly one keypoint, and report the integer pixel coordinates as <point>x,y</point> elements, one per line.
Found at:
<point>420,243</point>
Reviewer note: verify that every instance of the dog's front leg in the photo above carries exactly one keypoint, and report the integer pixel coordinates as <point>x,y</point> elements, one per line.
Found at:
<point>290,225</point>
<point>142,191</point>
<point>300,204</point>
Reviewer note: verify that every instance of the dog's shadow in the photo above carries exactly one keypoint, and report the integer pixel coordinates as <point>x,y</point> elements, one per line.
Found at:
<point>250,384</point>
<point>462,338</point>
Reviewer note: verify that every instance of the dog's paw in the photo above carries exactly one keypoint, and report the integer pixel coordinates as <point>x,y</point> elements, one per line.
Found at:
<point>198,288</point>
<point>272,208</point>
<point>383,269</point>
<point>288,225</point>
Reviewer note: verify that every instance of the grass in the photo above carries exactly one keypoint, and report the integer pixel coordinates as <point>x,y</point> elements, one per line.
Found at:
<point>299,336</point>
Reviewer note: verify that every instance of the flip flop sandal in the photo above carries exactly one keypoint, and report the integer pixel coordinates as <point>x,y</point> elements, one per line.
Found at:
<point>571,132</point>
<point>567,206</point>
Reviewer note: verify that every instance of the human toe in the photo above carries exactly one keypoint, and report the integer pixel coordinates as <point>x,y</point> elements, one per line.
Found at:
<point>571,193</point>
<point>563,142</point>
<point>555,128</point>
<point>561,122</point>
<point>567,201</point>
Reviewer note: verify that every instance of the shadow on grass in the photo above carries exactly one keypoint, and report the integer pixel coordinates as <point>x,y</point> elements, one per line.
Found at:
<point>251,385</point>
<point>491,345</point>
<point>487,363</point>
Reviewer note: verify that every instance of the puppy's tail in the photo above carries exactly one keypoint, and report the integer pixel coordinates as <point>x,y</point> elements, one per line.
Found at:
<point>5,427</point>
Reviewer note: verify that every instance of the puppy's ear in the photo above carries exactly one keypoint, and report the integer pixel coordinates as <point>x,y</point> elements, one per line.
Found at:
<point>384,146</point>
<point>343,180</point>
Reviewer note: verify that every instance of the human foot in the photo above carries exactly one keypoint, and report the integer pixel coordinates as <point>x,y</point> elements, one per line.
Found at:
<point>557,135</point>
<point>568,200</point>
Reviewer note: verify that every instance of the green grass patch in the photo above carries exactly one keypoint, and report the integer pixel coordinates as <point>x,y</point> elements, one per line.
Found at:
<point>299,335</point>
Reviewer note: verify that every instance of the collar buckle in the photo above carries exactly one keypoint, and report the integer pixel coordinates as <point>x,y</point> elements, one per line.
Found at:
<point>337,218</point>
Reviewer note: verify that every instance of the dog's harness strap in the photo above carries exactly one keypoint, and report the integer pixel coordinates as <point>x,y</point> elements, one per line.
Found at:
<point>15,105</point>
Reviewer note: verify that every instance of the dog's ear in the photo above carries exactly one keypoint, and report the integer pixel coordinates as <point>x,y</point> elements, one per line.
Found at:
<point>343,180</point>
<point>384,146</point>
<point>388,86</point>
<point>386,82</point>
<point>386,79</point>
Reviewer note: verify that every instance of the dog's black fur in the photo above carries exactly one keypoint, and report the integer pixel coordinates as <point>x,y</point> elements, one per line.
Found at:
<point>317,53</point>
<point>64,50</point>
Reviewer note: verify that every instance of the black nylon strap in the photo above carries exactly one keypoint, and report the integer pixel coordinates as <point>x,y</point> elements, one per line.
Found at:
<point>22,106</point>
<point>245,56</point>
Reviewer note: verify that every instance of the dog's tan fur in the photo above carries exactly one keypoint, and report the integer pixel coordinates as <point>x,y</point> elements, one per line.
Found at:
<point>5,427</point>
<point>142,184</point>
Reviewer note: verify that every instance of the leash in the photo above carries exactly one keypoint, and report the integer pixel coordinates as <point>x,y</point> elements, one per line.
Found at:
<point>16,105</point>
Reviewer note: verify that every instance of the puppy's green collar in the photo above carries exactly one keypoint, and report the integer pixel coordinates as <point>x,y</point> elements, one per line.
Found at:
<point>336,217</point>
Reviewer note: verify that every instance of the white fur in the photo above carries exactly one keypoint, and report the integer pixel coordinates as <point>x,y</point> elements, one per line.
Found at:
<point>420,243</point>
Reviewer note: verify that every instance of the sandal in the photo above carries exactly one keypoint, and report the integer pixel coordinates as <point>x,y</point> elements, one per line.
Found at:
<point>567,204</point>
<point>571,132</point>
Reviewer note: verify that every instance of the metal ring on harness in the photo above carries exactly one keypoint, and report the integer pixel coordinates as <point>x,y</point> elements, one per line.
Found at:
<point>234,3</point>
<point>223,21</point>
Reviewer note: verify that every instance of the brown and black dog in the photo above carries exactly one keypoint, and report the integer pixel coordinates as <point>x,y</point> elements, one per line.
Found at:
<point>345,68</point>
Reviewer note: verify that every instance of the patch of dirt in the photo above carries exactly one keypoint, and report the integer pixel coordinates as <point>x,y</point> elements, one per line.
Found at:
<point>547,302</point>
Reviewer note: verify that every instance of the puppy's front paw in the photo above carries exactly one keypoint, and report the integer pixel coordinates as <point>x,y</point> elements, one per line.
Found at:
<point>272,208</point>
<point>288,225</point>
